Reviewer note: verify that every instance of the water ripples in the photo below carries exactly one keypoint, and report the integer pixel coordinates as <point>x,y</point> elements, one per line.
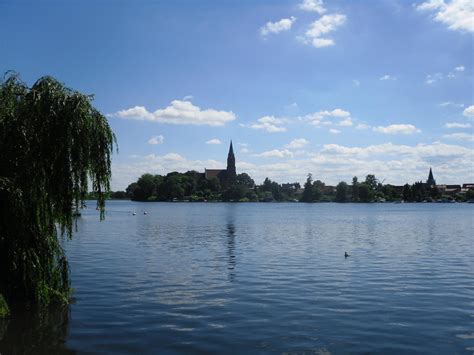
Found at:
<point>263,278</point>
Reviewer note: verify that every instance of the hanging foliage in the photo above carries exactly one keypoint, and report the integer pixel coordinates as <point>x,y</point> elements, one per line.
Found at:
<point>53,143</point>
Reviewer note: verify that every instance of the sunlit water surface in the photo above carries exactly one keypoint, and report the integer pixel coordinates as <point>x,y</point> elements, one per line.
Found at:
<point>264,278</point>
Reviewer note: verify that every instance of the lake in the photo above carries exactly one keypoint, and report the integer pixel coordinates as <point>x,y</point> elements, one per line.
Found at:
<point>263,278</point>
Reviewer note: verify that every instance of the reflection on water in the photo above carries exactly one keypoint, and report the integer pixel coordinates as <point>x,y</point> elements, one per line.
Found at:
<point>263,278</point>
<point>34,332</point>
<point>231,242</point>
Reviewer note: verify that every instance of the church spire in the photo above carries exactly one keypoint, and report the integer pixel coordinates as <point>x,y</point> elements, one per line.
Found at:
<point>231,172</point>
<point>431,181</point>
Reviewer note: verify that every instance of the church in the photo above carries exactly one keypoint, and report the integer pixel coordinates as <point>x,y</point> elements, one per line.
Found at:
<point>431,181</point>
<point>226,176</point>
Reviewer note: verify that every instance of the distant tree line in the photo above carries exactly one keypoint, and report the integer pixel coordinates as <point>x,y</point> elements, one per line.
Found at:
<point>193,186</point>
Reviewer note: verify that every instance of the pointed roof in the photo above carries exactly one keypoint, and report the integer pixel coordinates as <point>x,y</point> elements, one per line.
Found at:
<point>231,149</point>
<point>431,181</point>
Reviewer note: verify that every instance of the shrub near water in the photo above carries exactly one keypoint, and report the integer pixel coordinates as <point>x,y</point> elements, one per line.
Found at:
<point>53,141</point>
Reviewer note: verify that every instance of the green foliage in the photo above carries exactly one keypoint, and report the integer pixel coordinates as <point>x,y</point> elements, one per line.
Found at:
<point>355,189</point>
<point>194,186</point>
<point>308,193</point>
<point>245,180</point>
<point>118,195</point>
<point>53,141</point>
<point>371,181</point>
<point>274,188</point>
<point>418,192</point>
<point>341,192</point>
<point>234,193</point>
<point>470,194</point>
<point>407,195</point>
<point>434,192</point>
<point>313,191</point>
<point>365,194</point>
<point>4,310</point>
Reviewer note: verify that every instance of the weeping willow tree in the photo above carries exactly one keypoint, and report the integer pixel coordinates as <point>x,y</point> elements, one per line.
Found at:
<point>53,143</point>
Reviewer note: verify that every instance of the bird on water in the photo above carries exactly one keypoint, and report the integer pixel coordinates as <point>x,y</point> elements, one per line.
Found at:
<point>345,254</point>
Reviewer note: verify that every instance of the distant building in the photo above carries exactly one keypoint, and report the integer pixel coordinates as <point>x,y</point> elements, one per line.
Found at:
<point>450,190</point>
<point>291,186</point>
<point>431,181</point>
<point>226,176</point>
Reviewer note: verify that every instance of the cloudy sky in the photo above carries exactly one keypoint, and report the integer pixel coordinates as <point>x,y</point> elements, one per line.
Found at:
<point>335,88</point>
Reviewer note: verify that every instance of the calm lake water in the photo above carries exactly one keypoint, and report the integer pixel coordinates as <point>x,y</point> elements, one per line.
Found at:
<point>264,278</point>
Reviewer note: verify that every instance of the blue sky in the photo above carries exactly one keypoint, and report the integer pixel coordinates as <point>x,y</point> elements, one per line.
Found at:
<point>335,88</point>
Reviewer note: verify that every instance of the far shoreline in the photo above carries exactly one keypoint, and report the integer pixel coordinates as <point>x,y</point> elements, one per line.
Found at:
<point>295,202</point>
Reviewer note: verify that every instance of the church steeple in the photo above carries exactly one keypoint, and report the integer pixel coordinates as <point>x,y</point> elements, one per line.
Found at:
<point>231,171</point>
<point>431,181</point>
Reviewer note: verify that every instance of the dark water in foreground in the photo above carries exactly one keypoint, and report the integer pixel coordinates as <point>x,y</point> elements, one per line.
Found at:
<point>262,278</point>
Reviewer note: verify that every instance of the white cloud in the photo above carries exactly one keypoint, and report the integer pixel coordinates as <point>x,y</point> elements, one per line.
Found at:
<point>321,27</point>
<point>387,77</point>
<point>397,164</point>
<point>460,136</point>
<point>334,131</point>
<point>456,14</point>
<point>433,78</point>
<point>325,25</point>
<point>214,141</point>
<point>169,157</point>
<point>339,113</point>
<point>422,150</point>
<point>323,117</point>
<point>179,113</point>
<point>469,112</point>
<point>397,129</point>
<point>276,153</point>
<point>269,123</point>
<point>362,126</point>
<point>277,27</point>
<point>244,147</point>
<point>322,42</point>
<point>449,103</point>
<point>188,98</point>
<point>297,143</point>
<point>457,125</point>
<point>156,140</point>
<point>346,122</point>
<point>313,6</point>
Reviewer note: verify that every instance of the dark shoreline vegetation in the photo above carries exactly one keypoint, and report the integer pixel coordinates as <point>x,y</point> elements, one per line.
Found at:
<point>194,187</point>
<point>53,141</point>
